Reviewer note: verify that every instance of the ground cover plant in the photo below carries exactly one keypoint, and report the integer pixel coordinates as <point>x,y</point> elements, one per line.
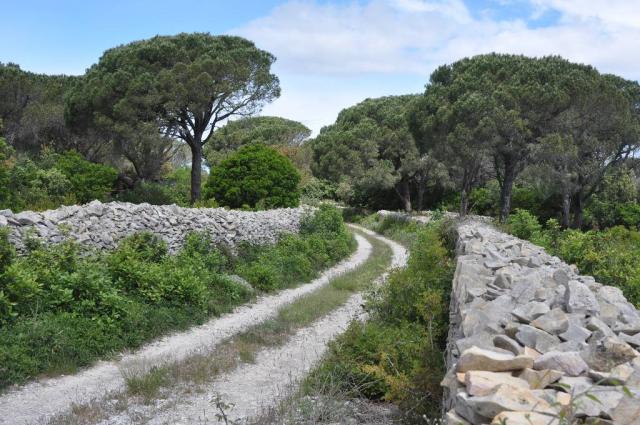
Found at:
<point>398,354</point>
<point>610,255</point>
<point>61,309</point>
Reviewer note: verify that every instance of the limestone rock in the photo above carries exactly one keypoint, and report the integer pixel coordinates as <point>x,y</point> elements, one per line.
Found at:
<point>478,359</point>
<point>539,379</point>
<point>568,362</point>
<point>530,336</point>
<point>524,418</point>
<point>627,412</point>
<point>530,311</point>
<point>554,322</point>
<point>452,418</point>
<point>602,355</point>
<point>480,382</point>
<point>506,343</point>
<point>580,299</point>
<point>28,218</point>
<point>575,333</point>
<point>507,398</point>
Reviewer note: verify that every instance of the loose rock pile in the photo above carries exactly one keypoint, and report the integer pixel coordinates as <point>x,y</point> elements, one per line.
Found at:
<point>102,225</point>
<point>531,338</point>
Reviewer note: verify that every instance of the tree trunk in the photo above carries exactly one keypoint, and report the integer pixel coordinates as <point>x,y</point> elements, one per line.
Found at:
<point>196,171</point>
<point>578,213</point>
<point>505,191</point>
<point>566,208</point>
<point>464,202</point>
<point>404,193</point>
<point>420,196</point>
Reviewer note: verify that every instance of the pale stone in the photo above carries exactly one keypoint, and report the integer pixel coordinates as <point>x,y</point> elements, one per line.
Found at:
<point>580,299</point>
<point>631,340</point>
<point>452,418</point>
<point>602,355</point>
<point>618,375</point>
<point>568,362</point>
<point>28,218</point>
<point>507,398</point>
<point>480,382</point>
<point>539,379</point>
<point>533,337</point>
<point>506,343</point>
<point>524,418</point>
<point>563,399</point>
<point>532,352</point>
<point>575,333</point>
<point>596,325</point>
<point>554,322</point>
<point>627,412</point>
<point>478,359</point>
<point>463,406</point>
<point>530,311</point>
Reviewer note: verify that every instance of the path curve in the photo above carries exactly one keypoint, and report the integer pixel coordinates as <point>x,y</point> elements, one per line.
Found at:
<point>35,402</point>
<point>254,386</point>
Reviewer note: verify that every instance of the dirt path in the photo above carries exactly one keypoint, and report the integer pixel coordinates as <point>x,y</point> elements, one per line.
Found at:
<point>254,386</point>
<point>36,402</point>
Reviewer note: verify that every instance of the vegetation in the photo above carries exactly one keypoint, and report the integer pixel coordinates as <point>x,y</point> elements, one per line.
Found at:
<point>398,355</point>
<point>496,113</point>
<point>274,131</point>
<point>51,180</point>
<point>146,92</point>
<point>370,149</point>
<point>254,176</point>
<point>60,310</point>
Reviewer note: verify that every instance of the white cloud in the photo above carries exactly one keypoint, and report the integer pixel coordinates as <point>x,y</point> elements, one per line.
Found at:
<point>389,38</point>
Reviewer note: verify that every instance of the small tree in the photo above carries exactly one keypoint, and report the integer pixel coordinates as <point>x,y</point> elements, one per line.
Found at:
<point>255,175</point>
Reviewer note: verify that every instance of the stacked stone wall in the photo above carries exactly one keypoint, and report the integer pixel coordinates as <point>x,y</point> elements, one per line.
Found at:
<point>101,225</point>
<point>531,339</point>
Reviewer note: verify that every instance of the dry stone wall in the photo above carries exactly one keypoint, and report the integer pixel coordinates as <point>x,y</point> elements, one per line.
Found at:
<point>530,338</point>
<point>101,225</point>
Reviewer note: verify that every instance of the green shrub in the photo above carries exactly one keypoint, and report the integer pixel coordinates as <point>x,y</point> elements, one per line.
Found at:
<point>254,176</point>
<point>523,224</point>
<point>7,251</point>
<point>89,181</point>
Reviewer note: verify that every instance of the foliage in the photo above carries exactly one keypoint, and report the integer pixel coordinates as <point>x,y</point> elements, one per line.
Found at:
<point>398,354</point>
<point>89,181</point>
<point>498,113</point>
<point>265,130</point>
<point>52,180</point>
<point>60,309</point>
<point>182,86</point>
<point>255,176</point>
<point>323,240</point>
<point>370,148</point>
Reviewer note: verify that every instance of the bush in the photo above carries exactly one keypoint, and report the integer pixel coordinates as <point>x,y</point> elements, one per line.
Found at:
<point>254,176</point>
<point>523,224</point>
<point>89,181</point>
<point>323,240</point>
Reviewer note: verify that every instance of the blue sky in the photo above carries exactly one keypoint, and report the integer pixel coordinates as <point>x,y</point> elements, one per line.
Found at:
<point>332,54</point>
